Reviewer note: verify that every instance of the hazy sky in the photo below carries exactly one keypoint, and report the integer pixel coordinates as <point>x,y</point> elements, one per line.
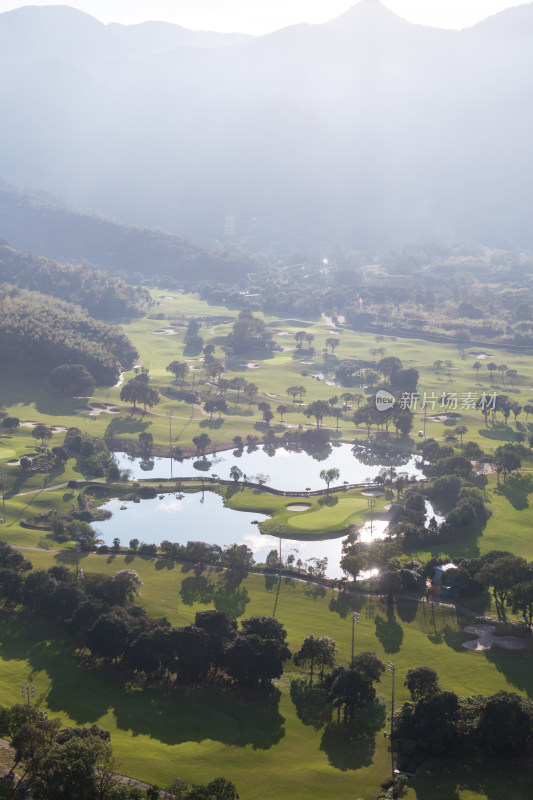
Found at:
<point>262,16</point>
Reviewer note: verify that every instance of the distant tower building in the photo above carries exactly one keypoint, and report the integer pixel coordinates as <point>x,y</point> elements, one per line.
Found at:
<point>229,226</point>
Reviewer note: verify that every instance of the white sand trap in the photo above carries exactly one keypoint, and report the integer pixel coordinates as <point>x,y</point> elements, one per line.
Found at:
<point>486,638</point>
<point>58,428</point>
<point>373,492</point>
<point>307,362</point>
<point>444,417</point>
<point>165,332</point>
<point>107,408</point>
<point>282,333</point>
<point>480,356</point>
<point>298,507</point>
<point>250,365</point>
<point>28,424</point>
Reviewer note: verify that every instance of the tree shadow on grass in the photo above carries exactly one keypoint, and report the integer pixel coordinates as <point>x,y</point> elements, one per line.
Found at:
<point>497,780</point>
<point>196,589</point>
<point>328,500</point>
<point>389,632</point>
<point>517,666</point>
<point>343,604</point>
<point>232,716</point>
<point>351,747</point>
<point>516,490</point>
<point>315,592</point>
<point>231,599</point>
<point>407,609</point>
<point>499,432</point>
<point>311,705</point>
<point>213,424</point>
<point>171,714</point>
<point>121,425</point>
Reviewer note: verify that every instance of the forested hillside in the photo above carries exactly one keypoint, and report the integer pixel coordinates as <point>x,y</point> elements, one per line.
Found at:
<point>30,224</point>
<point>104,296</point>
<point>40,332</point>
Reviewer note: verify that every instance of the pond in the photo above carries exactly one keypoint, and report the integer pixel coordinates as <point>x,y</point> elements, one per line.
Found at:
<point>286,469</point>
<point>203,517</point>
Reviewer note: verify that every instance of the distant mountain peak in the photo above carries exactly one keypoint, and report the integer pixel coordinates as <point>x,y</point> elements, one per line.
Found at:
<point>368,11</point>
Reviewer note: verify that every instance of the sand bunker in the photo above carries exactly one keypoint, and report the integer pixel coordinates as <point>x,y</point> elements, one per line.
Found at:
<point>58,429</point>
<point>307,362</point>
<point>486,638</point>
<point>282,333</point>
<point>480,356</point>
<point>28,424</point>
<point>298,507</point>
<point>250,365</point>
<point>165,332</point>
<point>444,417</point>
<point>105,408</point>
<point>373,492</point>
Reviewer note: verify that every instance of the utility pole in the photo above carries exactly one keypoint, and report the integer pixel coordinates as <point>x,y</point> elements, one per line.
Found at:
<point>371,502</point>
<point>355,621</point>
<point>28,692</point>
<point>391,668</point>
<point>3,478</point>
<point>169,415</point>
<point>78,551</point>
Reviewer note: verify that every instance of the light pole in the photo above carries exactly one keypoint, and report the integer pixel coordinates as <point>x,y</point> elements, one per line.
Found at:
<point>28,692</point>
<point>169,415</point>
<point>280,530</point>
<point>41,717</point>
<point>3,478</point>
<point>78,551</point>
<point>355,621</point>
<point>391,668</point>
<point>371,502</point>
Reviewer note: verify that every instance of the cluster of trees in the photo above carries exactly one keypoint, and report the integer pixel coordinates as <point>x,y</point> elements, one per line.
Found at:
<point>78,763</point>
<point>103,295</point>
<point>369,415</point>
<point>99,614</point>
<point>462,502</point>
<point>249,335</point>
<point>508,578</point>
<point>438,723</point>
<point>346,689</point>
<point>38,332</point>
<point>383,555</point>
<point>412,297</point>
<point>92,454</point>
<point>138,390</point>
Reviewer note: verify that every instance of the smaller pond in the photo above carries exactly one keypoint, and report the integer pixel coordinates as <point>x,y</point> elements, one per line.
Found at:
<point>430,512</point>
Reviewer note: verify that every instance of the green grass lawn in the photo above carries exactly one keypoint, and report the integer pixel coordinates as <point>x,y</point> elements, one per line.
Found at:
<point>264,744</point>
<point>31,402</point>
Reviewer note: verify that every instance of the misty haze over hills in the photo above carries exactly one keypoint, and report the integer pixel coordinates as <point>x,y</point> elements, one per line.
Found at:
<point>367,130</point>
